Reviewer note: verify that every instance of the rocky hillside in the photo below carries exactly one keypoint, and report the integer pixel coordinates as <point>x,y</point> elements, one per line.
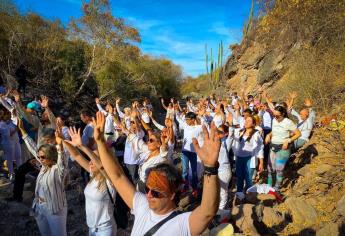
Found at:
<point>292,46</point>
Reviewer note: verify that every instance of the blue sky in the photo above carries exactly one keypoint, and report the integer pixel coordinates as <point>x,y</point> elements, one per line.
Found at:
<point>177,30</point>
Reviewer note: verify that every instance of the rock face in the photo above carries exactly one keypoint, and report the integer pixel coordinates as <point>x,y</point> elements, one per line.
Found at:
<point>254,66</point>
<point>340,208</point>
<point>302,213</point>
<point>328,230</point>
<point>242,216</point>
<point>271,217</point>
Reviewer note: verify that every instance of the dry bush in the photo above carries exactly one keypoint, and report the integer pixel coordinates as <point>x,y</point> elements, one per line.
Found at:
<point>317,73</point>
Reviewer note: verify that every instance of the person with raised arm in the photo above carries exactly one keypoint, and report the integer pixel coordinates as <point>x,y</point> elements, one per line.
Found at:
<point>126,116</point>
<point>158,205</point>
<point>170,109</point>
<point>50,204</point>
<point>305,124</point>
<point>99,192</point>
<point>248,149</point>
<point>109,123</point>
<point>280,144</point>
<point>191,129</point>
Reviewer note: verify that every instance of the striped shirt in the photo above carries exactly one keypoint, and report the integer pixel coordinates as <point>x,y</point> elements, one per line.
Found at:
<point>51,180</point>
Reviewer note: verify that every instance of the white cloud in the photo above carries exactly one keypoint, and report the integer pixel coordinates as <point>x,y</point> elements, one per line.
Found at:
<point>144,25</point>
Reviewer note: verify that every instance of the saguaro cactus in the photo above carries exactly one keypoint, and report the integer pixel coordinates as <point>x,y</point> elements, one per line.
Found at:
<point>215,71</point>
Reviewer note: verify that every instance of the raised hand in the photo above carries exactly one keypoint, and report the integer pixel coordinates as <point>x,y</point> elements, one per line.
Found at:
<point>164,137</point>
<point>209,151</point>
<point>58,136</point>
<point>98,124</point>
<point>16,95</point>
<point>75,137</point>
<point>293,95</point>
<point>45,101</point>
<point>308,102</point>
<point>97,101</point>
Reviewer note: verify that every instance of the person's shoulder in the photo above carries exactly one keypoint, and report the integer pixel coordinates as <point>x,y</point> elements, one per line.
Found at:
<point>288,121</point>
<point>140,203</point>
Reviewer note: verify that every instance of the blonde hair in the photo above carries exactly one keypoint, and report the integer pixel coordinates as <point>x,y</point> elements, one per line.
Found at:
<point>101,185</point>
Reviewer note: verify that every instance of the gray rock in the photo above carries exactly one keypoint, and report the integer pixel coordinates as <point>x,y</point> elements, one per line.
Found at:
<point>340,208</point>
<point>302,213</point>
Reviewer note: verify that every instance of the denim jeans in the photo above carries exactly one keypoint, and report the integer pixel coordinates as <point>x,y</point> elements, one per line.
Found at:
<point>243,173</point>
<point>49,224</point>
<point>192,158</point>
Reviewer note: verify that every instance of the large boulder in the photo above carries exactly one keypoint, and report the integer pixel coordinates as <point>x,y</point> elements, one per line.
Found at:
<point>252,56</point>
<point>271,217</point>
<point>270,67</point>
<point>231,67</point>
<point>242,216</point>
<point>302,213</point>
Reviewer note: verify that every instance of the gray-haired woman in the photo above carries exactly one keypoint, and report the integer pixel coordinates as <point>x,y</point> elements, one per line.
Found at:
<point>50,205</point>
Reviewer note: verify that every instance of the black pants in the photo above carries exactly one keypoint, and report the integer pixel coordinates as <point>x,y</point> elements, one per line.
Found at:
<point>266,147</point>
<point>19,179</point>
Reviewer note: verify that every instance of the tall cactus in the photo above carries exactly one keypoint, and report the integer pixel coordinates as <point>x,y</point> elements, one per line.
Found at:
<point>206,58</point>
<point>248,24</point>
<point>215,72</point>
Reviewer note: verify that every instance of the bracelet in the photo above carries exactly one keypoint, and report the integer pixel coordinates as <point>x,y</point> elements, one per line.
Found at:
<point>208,171</point>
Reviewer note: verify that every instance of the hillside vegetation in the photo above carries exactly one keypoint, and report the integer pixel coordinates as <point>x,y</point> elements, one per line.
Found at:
<point>95,55</point>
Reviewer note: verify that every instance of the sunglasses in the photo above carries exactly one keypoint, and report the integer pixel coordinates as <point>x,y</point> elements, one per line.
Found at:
<point>154,193</point>
<point>151,140</point>
<point>42,157</point>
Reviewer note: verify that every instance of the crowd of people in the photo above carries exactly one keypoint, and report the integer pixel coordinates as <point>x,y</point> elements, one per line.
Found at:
<point>131,164</point>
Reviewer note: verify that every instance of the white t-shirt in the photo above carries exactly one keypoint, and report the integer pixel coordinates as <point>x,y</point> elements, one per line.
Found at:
<point>281,130</point>
<point>145,219</point>
<point>143,153</point>
<point>218,120</point>
<point>130,155</point>
<point>99,208</point>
